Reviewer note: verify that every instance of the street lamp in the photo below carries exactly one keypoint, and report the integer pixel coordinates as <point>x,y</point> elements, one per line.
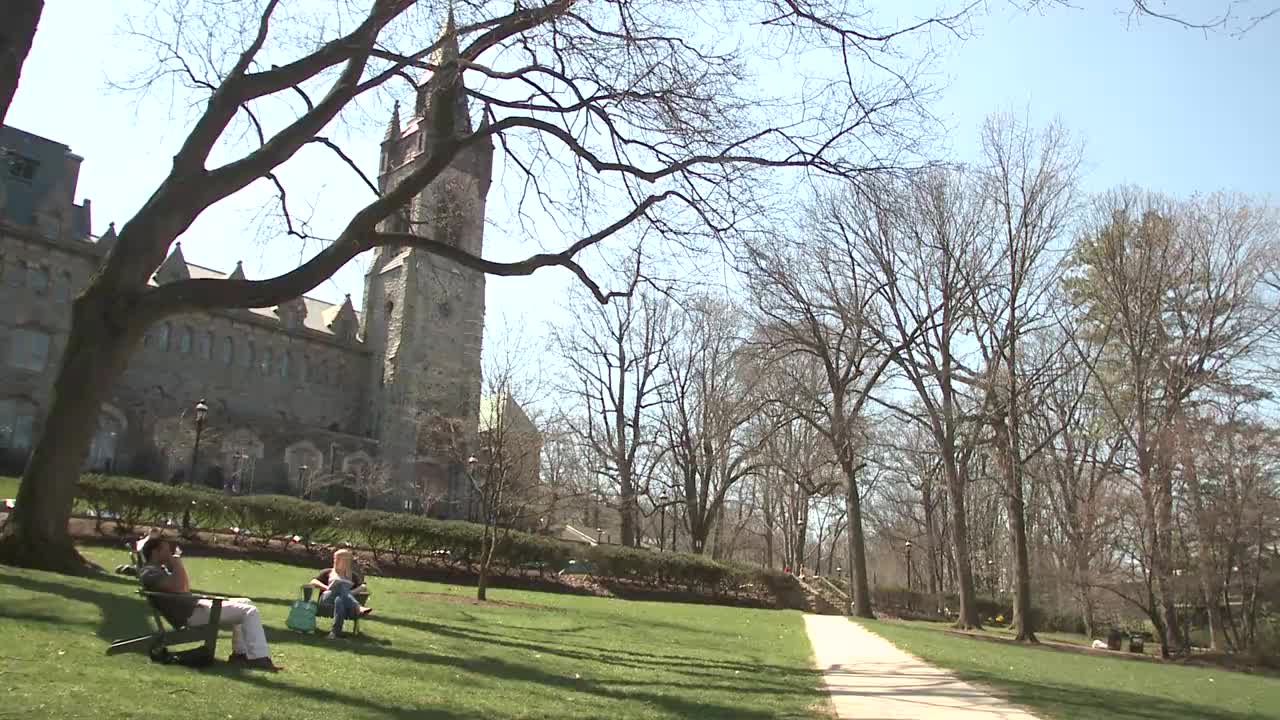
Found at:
<point>471,476</point>
<point>202,411</point>
<point>662,525</point>
<point>991,576</point>
<point>908,566</point>
<point>302,473</point>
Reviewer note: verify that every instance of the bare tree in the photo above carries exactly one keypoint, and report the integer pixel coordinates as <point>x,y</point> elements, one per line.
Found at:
<point>819,331</point>
<point>1172,292</point>
<point>919,244</point>
<point>709,406</point>
<point>615,356</point>
<point>627,100</point>
<point>1030,181</point>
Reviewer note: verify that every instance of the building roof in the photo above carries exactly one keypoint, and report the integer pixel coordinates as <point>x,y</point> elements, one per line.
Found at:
<point>492,412</point>
<point>319,313</point>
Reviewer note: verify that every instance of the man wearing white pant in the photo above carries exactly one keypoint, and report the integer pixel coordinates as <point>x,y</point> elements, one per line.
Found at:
<point>164,572</point>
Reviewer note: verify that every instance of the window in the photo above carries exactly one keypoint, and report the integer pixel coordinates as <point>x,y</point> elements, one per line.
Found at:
<point>247,358</point>
<point>102,450</point>
<point>204,345</point>
<point>184,341</point>
<point>284,365</point>
<point>266,361</point>
<point>17,419</point>
<point>30,350</point>
<point>162,337</point>
<point>38,279</point>
<point>62,288</point>
<point>228,350</point>
<point>22,167</point>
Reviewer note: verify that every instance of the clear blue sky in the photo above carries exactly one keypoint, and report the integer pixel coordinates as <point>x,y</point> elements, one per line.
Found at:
<point>1157,105</point>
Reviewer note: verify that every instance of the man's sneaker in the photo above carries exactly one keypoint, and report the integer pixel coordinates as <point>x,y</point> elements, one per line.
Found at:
<point>263,663</point>
<point>237,658</point>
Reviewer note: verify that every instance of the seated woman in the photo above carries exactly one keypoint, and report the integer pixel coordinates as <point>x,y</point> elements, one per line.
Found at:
<point>337,585</point>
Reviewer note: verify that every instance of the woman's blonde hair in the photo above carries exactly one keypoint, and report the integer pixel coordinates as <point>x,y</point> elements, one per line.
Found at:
<point>342,562</point>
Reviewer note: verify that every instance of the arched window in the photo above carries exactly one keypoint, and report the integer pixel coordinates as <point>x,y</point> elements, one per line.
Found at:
<point>17,420</point>
<point>305,464</point>
<point>204,345</point>
<point>184,341</point>
<point>38,279</point>
<point>284,365</point>
<point>266,361</point>
<point>247,359</point>
<point>162,337</point>
<point>62,288</point>
<point>228,350</point>
<point>102,450</point>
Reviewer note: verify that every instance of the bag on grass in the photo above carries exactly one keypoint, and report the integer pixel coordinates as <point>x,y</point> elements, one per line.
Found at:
<point>302,616</point>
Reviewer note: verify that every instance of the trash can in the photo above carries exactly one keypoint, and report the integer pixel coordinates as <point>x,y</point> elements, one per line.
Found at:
<point>1114,639</point>
<point>1136,643</point>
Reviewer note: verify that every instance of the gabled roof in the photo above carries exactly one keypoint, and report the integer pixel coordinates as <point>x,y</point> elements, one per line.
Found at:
<point>319,313</point>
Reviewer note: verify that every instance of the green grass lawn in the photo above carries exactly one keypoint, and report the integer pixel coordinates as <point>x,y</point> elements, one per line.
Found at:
<point>8,487</point>
<point>428,652</point>
<point>1066,685</point>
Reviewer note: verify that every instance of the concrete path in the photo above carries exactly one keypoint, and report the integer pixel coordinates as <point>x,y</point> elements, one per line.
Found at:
<point>870,679</point>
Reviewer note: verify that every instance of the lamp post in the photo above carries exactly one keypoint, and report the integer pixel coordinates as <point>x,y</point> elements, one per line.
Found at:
<point>908,566</point>
<point>201,412</point>
<point>471,475</point>
<point>991,576</point>
<point>302,473</point>
<point>662,523</point>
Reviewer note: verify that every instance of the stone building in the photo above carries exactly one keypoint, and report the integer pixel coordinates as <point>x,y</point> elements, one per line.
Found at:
<point>305,398</point>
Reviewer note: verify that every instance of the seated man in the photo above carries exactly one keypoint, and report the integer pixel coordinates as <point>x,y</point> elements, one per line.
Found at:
<point>164,572</point>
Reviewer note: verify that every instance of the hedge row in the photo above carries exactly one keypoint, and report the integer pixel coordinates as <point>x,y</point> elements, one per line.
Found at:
<point>401,537</point>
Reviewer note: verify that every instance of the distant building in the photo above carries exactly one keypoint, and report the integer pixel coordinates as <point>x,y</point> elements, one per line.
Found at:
<point>299,394</point>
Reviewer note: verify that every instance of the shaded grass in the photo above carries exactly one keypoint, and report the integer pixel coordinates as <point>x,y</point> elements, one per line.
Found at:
<point>421,656</point>
<point>1067,685</point>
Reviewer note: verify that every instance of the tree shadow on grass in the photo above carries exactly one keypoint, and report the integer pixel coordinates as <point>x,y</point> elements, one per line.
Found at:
<point>557,643</point>
<point>120,615</point>
<point>1079,701</point>
<point>679,698</point>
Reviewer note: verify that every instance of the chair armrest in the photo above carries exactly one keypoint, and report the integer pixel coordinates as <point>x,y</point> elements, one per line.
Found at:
<point>186,596</point>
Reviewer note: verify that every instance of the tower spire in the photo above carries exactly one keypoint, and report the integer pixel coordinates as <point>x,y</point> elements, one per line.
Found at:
<point>393,127</point>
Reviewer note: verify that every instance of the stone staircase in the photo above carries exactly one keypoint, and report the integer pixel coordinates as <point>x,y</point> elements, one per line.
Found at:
<point>823,597</point>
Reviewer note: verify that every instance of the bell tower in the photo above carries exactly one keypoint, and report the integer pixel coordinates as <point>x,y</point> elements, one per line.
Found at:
<point>424,314</point>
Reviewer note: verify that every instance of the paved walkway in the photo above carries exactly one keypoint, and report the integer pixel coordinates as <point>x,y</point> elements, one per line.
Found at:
<point>870,679</point>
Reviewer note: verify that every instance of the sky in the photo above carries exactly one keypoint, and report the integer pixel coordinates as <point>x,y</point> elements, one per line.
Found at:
<point>1157,105</point>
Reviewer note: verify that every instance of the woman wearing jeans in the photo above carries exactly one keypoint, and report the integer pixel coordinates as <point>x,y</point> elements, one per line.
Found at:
<point>336,585</point>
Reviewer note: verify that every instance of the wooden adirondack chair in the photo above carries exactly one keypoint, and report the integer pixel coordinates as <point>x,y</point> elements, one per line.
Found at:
<point>163,639</point>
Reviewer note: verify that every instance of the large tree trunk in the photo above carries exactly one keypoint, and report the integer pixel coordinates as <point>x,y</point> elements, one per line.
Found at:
<point>36,534</point>
<point>1007,453</point>
<point>861,599</point>
<point>968,614</point>
<point>1022,618</point>
<point>16,35</point>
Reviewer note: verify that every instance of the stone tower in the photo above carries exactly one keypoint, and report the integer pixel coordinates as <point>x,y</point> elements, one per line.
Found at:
<point>424,315</point>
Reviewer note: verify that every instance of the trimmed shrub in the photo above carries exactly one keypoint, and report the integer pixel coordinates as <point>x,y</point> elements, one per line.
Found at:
<point>406,537</point>
<point>132,502</point>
